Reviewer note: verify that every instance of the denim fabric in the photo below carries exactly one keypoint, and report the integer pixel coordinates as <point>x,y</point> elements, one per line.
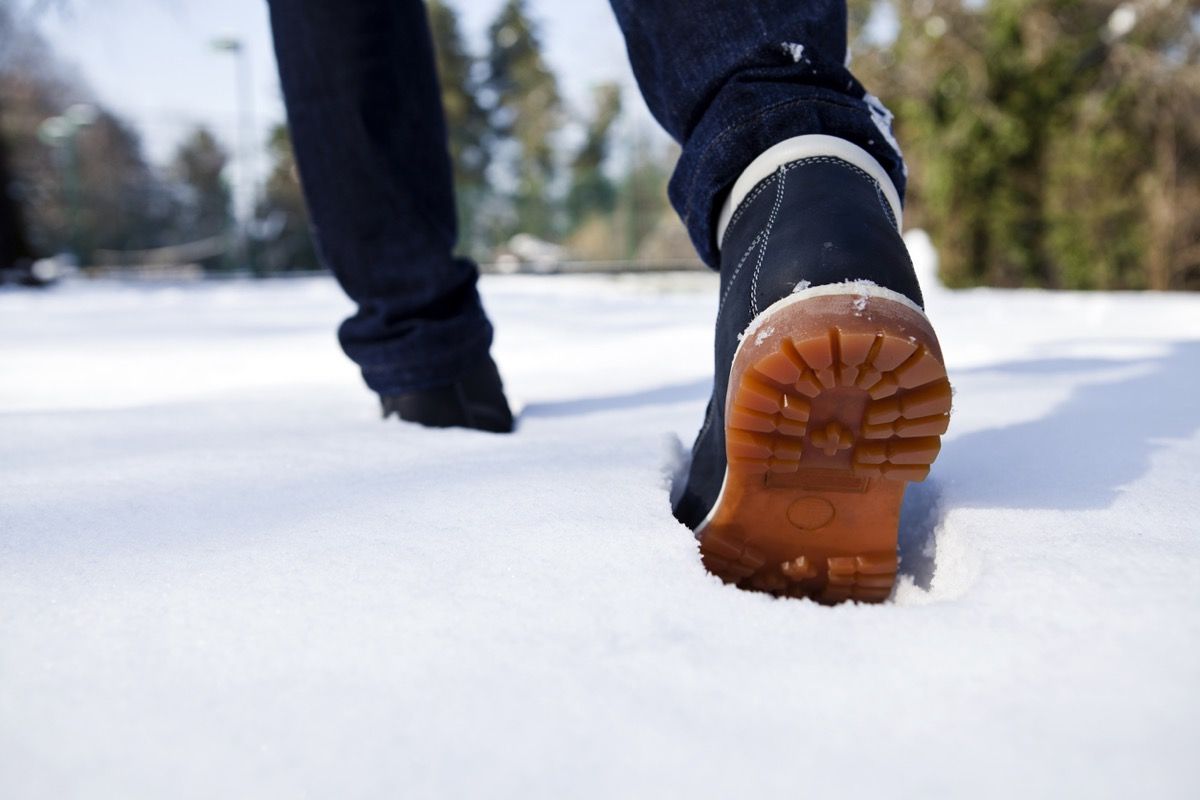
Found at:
<point>730,78</point>
<point>366,119</point>
<point>726,78</point>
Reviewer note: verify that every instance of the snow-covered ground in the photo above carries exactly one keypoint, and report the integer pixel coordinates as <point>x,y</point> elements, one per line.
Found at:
<point>221,575</point>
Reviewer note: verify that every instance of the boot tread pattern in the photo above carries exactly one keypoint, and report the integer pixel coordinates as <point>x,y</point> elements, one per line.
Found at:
<point>906,405</point>
<point>823,428</point>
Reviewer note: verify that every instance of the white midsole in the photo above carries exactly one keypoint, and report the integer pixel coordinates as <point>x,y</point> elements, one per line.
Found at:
<point>810,146</point>
<point>855,288</point>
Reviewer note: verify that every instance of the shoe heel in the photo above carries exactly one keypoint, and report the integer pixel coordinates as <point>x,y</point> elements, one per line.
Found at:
<point>836,401</point>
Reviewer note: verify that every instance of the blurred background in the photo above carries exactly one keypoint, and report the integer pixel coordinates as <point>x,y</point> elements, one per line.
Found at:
<point>1051,143</point>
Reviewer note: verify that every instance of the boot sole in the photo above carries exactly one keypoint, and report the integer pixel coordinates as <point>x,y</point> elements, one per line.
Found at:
<point>837,398</point>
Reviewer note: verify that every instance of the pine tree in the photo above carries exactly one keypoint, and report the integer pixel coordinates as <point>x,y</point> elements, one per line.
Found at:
<point>207,203</point>
<point>92,190</point>
<point>469,128</point>
<point>526,113</point>
<point>1050,142</point>
<point>642,200</point>
<point>592,192</point>
<point>286,242</point>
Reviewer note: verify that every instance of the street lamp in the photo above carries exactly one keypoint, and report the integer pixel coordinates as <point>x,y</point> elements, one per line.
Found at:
<point>61,132</point>
<point>245,148</point>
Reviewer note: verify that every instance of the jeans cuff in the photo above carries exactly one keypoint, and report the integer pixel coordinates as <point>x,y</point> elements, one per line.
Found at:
<point>409,366</point>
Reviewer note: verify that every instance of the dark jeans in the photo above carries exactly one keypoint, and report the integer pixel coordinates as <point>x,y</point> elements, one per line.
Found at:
<point>726,78</point>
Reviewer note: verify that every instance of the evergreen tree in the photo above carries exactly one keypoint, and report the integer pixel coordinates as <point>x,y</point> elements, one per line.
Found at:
<point>1127,199</point>
<point>592,192</point>
<point>283,225</point>
<point>125,203</point>
<point>526,112</point>
<point>467,121</point>
<point>1050,142</point>
<point>207,208</point>
<point>82,187</point>
<point>642,199</point>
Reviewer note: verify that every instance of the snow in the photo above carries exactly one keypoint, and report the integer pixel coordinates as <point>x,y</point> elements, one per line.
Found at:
<point>795,50</point>
<point>1122,20</point>
<point>882,116</point>
<point>222,575</point>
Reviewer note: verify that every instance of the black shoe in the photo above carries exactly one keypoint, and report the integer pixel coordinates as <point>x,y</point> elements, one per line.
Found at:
<point>829,392</point>
<point>474,401</point>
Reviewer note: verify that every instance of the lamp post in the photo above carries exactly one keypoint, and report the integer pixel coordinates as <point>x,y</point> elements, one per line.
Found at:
<point>61,132</point>
<point>245,149</point>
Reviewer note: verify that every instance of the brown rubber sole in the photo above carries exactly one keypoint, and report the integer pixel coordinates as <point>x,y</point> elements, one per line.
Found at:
<point>835,402</point>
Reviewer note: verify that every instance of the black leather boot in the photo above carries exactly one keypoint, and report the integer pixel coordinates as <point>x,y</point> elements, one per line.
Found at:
<point>476,400</point>
<point>829,391</point>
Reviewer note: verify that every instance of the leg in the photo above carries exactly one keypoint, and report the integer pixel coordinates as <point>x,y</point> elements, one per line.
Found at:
<point>829,393</point>
<point>730,79</point>
<point>366,120</point>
